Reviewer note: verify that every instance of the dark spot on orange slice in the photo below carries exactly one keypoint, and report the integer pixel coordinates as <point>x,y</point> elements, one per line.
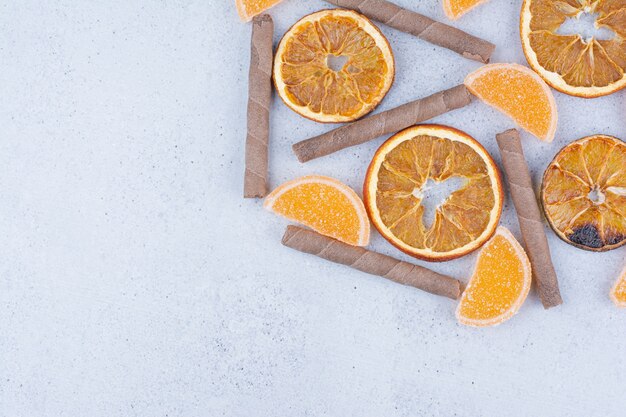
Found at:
<point>587,235</point>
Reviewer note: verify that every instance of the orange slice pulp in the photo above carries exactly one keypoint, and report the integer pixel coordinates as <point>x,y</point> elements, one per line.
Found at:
<point>499,285</point>
<point>325,205</point>
<point>312,81</point>
<point>399,176</point>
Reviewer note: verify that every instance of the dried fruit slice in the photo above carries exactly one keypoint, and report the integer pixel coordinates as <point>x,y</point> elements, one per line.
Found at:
<point>618,292</point>
<point>499,285</point>
<point>584,193</point>
<point>324,204</point>
<point>573,65</point>
<point>403,169</point>
<point>520,94</point>
<point>457,8</point>
<point>312,81</point>
<point>247,9</point>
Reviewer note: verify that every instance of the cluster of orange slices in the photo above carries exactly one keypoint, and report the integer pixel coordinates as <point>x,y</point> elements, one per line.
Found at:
<point>573,64</point>
<point>336,66</point>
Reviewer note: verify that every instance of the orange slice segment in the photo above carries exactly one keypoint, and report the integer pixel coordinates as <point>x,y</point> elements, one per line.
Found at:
<point>457,8</point>
<point>618,292</point>
<point>247,9</point>
<point>499,285</point>
<point>520,94</point>
<point>414,161</point>
<point>333,66</point>
<point>573,65</point>
<point>584,193</point>
<point>324,204</point>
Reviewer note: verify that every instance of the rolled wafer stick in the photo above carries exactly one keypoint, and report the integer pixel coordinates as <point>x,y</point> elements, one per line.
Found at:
<point>380,124</point>
<point>529,216</point>
<point>371,262</point>
<point>423,27</point>
<point>259,97</point>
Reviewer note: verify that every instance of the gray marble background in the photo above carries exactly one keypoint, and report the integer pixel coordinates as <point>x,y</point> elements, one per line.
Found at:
<point>135,280</point>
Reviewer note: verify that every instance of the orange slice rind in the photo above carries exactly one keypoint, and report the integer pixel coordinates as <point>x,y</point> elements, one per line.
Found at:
<point>519,93</point>
<point>569,63</point>
<point>324,204</point>
<point>398,174</point>
<point>499,285</point>
<point>584,193</point>
<point>309,84</point>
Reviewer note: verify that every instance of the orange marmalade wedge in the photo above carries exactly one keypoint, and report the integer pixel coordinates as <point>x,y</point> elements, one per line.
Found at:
<point>499,285</point>
<point>519,93</point>
<point>324,204</point>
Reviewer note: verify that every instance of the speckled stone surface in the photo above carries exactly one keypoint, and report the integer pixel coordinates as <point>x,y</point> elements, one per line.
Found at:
<point>136,281</point>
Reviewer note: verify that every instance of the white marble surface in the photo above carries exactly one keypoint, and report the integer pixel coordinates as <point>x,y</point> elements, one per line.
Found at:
<point>135,280</point>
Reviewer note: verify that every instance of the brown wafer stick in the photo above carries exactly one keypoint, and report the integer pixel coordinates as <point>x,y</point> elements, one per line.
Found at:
<point>259,98</point>
<point>383,123</point>
<point>423,27</point>
<point>371,262</point>
<point>529,216</point>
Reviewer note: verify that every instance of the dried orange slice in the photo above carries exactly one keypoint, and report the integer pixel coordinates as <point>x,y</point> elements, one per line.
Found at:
<point>568,62</point>
<point>457,8</point>
<point>520,94</point>
<point>499,285</point>
<point>324,204</point>
<point>312,81</point>
<point>411,163</point>
<point>618,292</point>
<point>584,193</point>
<point>249,8</point>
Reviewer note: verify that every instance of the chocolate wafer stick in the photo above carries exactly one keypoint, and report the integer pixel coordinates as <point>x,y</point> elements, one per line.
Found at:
<point>529,216</point>
<point>259,97</point>
<point>371,262</point>
<point>421,26</point>
<point>383,123</point>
